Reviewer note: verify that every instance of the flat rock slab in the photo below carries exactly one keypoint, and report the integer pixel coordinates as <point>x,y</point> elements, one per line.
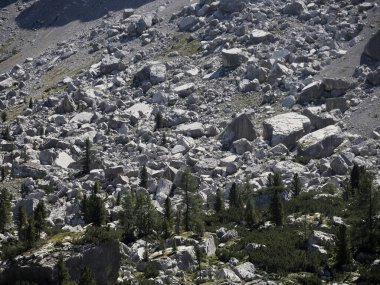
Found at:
<point>321,143</point>
<point>286,129</point>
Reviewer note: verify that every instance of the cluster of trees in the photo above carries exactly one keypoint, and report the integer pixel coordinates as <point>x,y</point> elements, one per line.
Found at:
<point>93,208</point>
<point>62,276</point>
<point>30,227</point>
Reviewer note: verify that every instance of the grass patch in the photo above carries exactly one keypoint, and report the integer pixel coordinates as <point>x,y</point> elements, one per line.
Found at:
<point>61,236</point>
<point>183,45</point>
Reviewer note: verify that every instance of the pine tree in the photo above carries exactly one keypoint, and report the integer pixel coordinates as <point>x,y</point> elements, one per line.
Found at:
<point>7,134</point>
<point>159,121</point>
<point>98,210</point>
<point>93,208</point>
<point>219,202</point>
<point>144,177</point>
<point>343,257</point>
<point>31,103</point>
<point>168,219</point>
<point>61,273</point>
<point>193,215</point>
<point>146,214</point>
<point>128,219</point>
<point>86,277</point>
<point>96,188</point>
<point>4,116</point>
<point>277,181</point>
<point>276,209</point>
<point>30,233</point>
<point>39,218</point>
<point>296,185</point>
<point>236,209</point>
<point>21,222</point>
<point>3,173</point>
<point>87,157</point>
<point>355,176</point>
<point>5,209</point>
<point>250,214</point>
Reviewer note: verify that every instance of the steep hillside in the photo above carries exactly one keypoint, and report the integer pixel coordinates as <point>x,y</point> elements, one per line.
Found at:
<point>184,142</point>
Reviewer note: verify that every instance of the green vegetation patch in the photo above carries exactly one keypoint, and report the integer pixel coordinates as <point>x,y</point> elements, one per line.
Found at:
<point>183,45</point>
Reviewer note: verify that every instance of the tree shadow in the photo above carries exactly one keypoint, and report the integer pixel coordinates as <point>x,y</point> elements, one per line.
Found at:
<point>56,13</point>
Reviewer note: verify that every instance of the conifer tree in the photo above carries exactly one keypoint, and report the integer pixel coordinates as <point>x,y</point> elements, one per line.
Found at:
<point>355,176</point>
<point>250,214</point>
<point>93,208</point>
<point>21,222</point>
<point>4,116</point>
<point>168,219</point>
<point>144,177</point>
<point>61,273</point>
<point>39,218</point>
<point>219,202</point>
<point>296,185</point>
<point>146,214</point>
<point>30,233</point>
<point>3,173</point>
<point>5,208</point>
<point>128,219</point>
<point>276,209</point>
<point>159,121</point>
<point>7,134</point>
<point>193,215</point>
<point>343,256</point>
<point>31,103</point>
<point>235,197</point>
<point>86,277</point>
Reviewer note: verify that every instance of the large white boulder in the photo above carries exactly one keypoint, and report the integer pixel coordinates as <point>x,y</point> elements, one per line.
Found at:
<point>321,143</point>
<point>286,129</point>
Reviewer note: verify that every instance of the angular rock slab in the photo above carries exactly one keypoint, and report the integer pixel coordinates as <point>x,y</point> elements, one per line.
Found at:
<point>240,127</point>
<point>372,49</point>
<point>286,129</point>
<point>321,143</point>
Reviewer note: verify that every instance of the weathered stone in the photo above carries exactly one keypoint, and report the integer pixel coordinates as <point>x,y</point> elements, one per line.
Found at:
<point>185,90</point>
<point>286,129</point>
<point>63,160</point>
<point>230,234</point>
<point>260,36</point>
<point>311,92</point>
<point>154,72</point>
<point>7,83</point>
<point>233,57</point>
<point>372,48</point>
<point>331,84</point>
<point>240,127</point>
<point>318,118</point>
<point>374,77</point>
<point>109,64</point>
<point>295,8</point>
<point>242,145</point>
<point>339,166</point>
<point>321,143</point>
<point>246,271</point>
<point>336,103</point>
<point>194,130</point>
<point>231,6</point>
<point>29,170</point>
<point>227,274</point>
<point>67,105</point>
<point>187,23</point>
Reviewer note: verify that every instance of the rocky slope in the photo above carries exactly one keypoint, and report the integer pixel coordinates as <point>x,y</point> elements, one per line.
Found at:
<point>245,88</point>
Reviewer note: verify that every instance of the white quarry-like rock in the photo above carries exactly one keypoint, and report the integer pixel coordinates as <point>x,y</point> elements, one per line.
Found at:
<point>286,129</point>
